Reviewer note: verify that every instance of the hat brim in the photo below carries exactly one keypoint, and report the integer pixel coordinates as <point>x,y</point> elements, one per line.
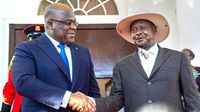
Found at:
<point>123,27</point>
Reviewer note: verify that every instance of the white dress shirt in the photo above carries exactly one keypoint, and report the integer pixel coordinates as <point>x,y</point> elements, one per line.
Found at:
<point>148,63</point>
<point>69,57</point>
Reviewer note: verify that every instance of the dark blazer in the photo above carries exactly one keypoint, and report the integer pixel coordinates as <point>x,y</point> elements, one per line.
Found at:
<point>40,75</point>
<point>170,79</point>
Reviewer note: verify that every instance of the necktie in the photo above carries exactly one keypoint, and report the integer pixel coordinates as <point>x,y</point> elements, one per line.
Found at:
<point>145,54</point>
<point>64,57</point>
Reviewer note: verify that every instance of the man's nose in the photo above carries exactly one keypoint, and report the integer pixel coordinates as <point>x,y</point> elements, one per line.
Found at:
<point>139,32</point>
<point>73,26</point>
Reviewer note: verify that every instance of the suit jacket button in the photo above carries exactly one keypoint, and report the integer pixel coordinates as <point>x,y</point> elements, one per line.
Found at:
<point>149,101</point>
<point>148,83</point>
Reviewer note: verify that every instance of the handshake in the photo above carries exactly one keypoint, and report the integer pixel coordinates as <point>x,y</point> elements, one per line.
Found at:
<point>81,103</point>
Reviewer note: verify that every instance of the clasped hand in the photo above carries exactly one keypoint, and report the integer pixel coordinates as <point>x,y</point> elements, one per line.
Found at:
<point>81,103</point>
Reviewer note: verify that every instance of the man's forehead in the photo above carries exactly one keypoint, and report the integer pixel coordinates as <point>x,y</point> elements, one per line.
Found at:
<point>63,14</point>
<point>141,22</point>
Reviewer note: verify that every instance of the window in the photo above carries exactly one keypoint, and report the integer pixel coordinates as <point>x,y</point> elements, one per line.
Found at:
<point>84,7</point>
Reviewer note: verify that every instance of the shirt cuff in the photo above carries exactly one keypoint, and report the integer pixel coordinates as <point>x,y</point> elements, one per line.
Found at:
<point>65,99</point>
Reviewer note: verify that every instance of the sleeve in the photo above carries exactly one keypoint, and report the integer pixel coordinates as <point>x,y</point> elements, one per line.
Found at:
<point>9,89</point>
<point>115,101</point>
<point>28,84</point>
<point>93,85</point>
<point>188,87</point>
<point>5,107</point>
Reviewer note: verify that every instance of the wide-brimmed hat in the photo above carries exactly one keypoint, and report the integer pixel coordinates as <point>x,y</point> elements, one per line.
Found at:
<point>123,27</point>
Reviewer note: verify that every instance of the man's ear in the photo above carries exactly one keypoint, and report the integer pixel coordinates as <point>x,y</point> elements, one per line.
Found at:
<point>50,25</point>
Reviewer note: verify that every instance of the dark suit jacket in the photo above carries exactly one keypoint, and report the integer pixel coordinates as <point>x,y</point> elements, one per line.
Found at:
<point>40,75</point>
<point>170,79</point>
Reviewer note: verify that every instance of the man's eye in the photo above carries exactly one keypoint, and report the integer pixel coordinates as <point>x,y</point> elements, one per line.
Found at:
<point>68,22</point>
<point>134,30</point>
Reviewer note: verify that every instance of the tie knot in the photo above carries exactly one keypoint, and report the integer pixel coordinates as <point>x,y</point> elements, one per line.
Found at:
<point>145,54</point>
<point>61,46</point>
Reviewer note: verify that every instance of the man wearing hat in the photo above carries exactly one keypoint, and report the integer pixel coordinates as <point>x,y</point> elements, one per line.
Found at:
<point>195,69</point>
<point>152,79</point>
<point>10,96</point>
<point>34,31</point>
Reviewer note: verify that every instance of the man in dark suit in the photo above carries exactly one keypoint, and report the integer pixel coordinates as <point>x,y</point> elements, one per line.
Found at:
<point>152,79</point>
<point>48,70</point>
<point>195,69</point>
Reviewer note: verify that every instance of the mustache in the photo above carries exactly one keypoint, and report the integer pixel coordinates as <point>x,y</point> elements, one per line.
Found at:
<point>137,37</point>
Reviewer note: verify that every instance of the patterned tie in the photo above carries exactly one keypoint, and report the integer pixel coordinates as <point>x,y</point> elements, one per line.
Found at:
<point>145,54</point>
<point>64,57</point>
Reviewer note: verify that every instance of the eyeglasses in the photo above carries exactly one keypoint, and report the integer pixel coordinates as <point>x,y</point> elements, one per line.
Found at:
<point>67,22</point>
<point>141,28</point>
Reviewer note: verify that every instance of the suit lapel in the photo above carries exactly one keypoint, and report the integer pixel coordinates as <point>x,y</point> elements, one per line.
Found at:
<point>75,63</point>
<point>162,56</point>
<point>136,63</point>
<point>48,48</point>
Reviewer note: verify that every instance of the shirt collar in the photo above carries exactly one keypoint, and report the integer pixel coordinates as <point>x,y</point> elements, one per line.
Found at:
<point>55,43</point>
<point>153,50</point>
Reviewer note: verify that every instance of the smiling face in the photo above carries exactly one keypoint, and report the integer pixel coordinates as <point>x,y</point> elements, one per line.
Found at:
<point>61,24</point>
<point>143,33</point>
